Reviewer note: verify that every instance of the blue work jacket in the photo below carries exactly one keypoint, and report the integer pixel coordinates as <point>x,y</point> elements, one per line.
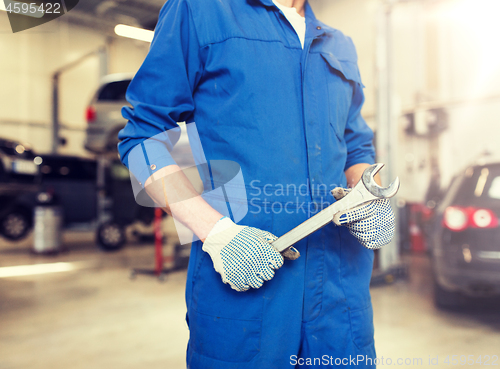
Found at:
<point>239,72</point>
<point>291,118</point>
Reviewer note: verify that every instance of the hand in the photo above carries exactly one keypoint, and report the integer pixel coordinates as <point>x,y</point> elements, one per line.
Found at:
<point>243,256</point>
<point>373,224</point>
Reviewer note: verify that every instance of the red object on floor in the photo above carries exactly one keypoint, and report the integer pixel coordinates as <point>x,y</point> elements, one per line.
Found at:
<point>158,242</point>
<point>417,240</point>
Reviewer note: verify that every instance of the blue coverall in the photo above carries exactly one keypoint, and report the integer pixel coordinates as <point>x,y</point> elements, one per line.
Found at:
<point>290,117</point>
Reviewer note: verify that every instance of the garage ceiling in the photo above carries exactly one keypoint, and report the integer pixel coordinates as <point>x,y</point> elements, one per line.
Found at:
<point>105,14</point>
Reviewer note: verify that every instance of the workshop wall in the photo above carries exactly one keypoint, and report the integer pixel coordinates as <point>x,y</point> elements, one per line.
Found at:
<point>444,57</point>
<point>34,55</point>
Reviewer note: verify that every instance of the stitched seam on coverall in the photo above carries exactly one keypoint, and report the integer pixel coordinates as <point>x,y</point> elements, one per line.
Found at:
<point>341,270</point>
<point>248,39</point>
<point>202,74</point>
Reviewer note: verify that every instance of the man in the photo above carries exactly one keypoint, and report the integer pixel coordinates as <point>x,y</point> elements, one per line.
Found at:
<point>275,90</point>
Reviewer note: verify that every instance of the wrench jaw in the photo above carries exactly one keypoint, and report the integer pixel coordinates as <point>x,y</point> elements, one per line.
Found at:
<point>365,190</point>
<point>369,182</point>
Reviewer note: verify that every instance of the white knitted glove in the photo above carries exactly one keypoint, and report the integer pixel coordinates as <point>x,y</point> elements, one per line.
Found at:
<point>373,224</point>
<point>243,256</point>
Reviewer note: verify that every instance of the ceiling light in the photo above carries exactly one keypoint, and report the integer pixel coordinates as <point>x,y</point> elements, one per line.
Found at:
<point>134,32</point>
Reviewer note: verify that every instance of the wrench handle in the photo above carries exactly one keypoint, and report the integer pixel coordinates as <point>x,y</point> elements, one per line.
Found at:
<point>356,197</point>
<point>305,229</point>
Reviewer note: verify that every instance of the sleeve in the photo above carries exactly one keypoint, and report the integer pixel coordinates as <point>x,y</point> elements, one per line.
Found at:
<point>161,93</point>
<point>358,136</point>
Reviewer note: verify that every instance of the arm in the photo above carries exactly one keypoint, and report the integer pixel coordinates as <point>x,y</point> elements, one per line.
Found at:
<point>373,224</point>
<point>173,191</point>
<point>161,94</point>
<point>354,173</point>
<point>359,139</point>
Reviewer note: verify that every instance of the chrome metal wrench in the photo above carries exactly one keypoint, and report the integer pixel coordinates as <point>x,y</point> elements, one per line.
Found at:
<point>366,190</point>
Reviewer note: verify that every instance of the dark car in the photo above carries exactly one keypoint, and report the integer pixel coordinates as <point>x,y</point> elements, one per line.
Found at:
<point>19,174</point>
<point>465,240</point>
<point>73,180</point>
<point>18,163</point>
<point>85,201</point>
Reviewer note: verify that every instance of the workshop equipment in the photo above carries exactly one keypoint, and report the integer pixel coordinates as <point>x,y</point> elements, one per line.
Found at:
<point>48,222</point>
<point>366,190</point>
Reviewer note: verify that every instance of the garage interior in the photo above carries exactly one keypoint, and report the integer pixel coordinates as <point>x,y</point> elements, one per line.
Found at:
<point>432,77</point>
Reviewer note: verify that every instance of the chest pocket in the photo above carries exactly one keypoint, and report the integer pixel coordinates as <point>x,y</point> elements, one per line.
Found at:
<point>342,78</point>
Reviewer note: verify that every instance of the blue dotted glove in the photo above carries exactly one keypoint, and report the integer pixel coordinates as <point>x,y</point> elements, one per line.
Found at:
<point>373,224</point>
<point>243,256</point>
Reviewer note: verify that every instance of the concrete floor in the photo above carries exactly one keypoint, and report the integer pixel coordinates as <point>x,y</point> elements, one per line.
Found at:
<point>96,317</point>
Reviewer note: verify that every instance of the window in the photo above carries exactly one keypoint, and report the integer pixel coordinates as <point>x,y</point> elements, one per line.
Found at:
<point>114,91</point>
<point>494,191</point>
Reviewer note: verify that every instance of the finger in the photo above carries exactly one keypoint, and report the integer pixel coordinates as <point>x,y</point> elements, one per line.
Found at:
<point>275,260</point>
<point>355,214</point>
<point>273,257</point>
<point>269,237</point>
<point>267,274</point>
<point>365,225</point>
<point>256,282</point>
<point>377,237</point>
<point>237,285</point>
<point>240,288</point>
<point>365,236</point>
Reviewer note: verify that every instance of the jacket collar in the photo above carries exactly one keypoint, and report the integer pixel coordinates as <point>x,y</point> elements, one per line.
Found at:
<point>312,22</point>
<point>266,2</point>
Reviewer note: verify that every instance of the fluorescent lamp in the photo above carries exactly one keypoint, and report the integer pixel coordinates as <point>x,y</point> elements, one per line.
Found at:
<point>36,269</point>
<point>134,32</point>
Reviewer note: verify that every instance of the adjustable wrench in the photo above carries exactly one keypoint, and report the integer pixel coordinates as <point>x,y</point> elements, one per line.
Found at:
<point>366,190</point>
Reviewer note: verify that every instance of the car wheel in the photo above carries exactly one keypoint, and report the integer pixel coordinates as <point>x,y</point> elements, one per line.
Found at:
<point>111,236</point>
<point>15,225</point>
<point>445,299</point>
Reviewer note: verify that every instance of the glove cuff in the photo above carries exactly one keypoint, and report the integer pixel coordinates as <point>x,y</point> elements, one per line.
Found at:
<point>220,235</point>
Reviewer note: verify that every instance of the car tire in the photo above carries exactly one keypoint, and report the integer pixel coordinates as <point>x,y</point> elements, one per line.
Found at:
<point>15,225</point>
<point>445,299</point>
<point>111,236</point>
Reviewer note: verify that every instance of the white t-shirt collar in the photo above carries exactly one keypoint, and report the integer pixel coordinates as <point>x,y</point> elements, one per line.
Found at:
<point>297,21</point>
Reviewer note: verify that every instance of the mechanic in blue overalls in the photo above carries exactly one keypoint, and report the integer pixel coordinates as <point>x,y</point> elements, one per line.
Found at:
<point>278,92</point>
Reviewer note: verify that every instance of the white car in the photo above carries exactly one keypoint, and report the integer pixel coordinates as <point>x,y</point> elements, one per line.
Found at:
<point>105,120</point>
<point>104,117</point>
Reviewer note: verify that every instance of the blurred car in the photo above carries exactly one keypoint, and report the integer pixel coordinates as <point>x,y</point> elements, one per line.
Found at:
<point>104,117</point>
<point>19,170</point>
<point>16,217</point>
<point>104,121</point>
<point>18,163</point>
<point>73,181</point>
<point>465,239</point>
